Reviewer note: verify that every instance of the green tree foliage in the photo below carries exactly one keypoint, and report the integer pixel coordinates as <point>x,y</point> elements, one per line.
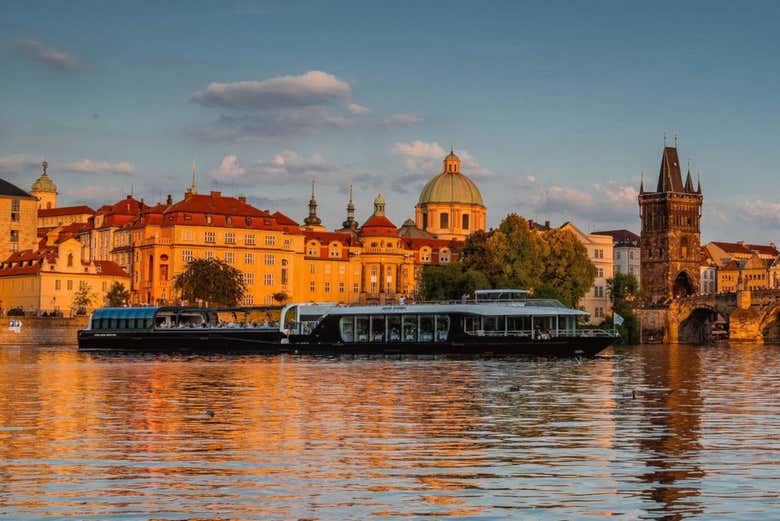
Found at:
<point>211,280</point>
<point>82,299</point>
<point>280,297</point>
<point>624,292</point>
<point>551,263</point>
<point>450,282</point>
<point>117,295</point>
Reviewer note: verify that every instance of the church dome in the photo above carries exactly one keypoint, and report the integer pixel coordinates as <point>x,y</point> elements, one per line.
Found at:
<point>44,182</point>
<point>451,187</point>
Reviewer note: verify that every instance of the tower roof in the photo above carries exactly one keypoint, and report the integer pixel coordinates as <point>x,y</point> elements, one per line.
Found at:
<point>44,182</point>
<point>7,188</point>
<point>670,176</point>
<point>451,186</point>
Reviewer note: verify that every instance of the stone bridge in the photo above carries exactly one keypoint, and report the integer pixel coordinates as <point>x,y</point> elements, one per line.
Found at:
<point>751,316</point>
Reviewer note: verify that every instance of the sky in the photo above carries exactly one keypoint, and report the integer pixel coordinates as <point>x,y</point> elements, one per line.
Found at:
<point>555,108</point>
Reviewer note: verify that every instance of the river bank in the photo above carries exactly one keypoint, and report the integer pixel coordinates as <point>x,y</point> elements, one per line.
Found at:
<point>42,331</point>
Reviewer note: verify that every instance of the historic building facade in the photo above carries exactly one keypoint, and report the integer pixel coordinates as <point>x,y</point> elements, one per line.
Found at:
<point>670,236</point>
<point>625,250</point>
<point>596,301</point>
<point>450,205</point>
<point>18,219</point>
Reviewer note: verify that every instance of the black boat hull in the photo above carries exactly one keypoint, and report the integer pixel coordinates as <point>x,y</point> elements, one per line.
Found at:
<point>227,341</point>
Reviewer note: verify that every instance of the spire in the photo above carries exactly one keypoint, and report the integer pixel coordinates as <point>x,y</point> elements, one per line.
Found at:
<point>689,180</point>
<point>676,137</point>
<point>698,188</point>
<point>379,205</point>
<point>670,176</point>
<point>642,183</point>
<point>45,165</point>
<point>312,219</point>
<point>350,223</point>
<point>193,187</point>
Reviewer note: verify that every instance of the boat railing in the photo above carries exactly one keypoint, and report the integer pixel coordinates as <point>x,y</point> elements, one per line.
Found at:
<point>528,333</point>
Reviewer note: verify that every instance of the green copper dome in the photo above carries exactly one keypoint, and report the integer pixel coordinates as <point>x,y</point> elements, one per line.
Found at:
<point>450,187</point>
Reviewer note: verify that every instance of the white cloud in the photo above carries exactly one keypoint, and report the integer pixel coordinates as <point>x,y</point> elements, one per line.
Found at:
<point>761,213</point>
<point>611,203</point>
<point>94,194</point>
<point>357,109</point>
<point>87,166</point>
<point>419,149</point>
<point>423,157</point>
<point>402,120</point>
<point>228,168</point>
<point>309,89</point>
<point>42,53</point>
<point>19,162</point>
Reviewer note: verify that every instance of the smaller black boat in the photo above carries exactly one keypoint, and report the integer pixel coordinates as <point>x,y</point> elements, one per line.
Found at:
<point>172,328</point>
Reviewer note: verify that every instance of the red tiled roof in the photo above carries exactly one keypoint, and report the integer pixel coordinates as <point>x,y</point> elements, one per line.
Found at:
<point>741,247</point>
<point>110,268</point>
<point>378,226</point>
<point>328,237</point>
<point>283,219</point>
<point>127,206</point>
<point>65,210</point>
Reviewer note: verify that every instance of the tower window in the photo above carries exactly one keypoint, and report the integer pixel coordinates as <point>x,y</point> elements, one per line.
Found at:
<point>465,223</point>
<point>425,220</point>
<point>444,220</point>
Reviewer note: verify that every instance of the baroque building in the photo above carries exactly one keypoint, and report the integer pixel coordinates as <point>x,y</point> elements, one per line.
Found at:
<point>450,204</point>
<point>599,246</point>
<point>670,235</point>
<point>18,219</point>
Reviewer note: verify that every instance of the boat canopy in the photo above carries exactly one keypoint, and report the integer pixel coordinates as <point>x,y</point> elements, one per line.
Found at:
<point>133,318</point>
<point>528,308</point>
<point>141,312</point>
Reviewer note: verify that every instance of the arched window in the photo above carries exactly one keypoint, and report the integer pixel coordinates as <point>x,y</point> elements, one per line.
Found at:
<point>444,220</point>
<point>465,221</point>
<point>70,260</point>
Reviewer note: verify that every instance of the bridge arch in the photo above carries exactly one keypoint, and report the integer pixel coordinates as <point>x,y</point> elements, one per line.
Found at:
<point>696,321</point>
<point>770,324</point>
<point>683,285</point>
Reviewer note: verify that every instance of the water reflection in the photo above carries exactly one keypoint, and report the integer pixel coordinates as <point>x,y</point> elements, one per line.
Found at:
<point>656,432</point>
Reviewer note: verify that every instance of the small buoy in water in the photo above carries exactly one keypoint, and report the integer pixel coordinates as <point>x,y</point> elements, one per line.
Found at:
<point>210,414</point>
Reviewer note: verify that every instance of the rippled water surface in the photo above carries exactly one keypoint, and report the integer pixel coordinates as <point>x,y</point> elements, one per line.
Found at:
<point>655,432</point>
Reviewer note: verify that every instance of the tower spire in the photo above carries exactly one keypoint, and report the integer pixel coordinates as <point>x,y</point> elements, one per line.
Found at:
<point>676,137</point>
<point>664,139</point>
<point>350,223</point>
<point>642,183</point>
<point>193,186</point>
<point>312,219</point>
<point>698,187</point>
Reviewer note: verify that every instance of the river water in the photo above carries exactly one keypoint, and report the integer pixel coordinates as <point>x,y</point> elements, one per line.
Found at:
<point>653,432</point>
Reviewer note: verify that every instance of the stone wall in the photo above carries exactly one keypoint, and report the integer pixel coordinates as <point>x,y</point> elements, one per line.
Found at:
<point>653,325</point>
<point>42,331</point>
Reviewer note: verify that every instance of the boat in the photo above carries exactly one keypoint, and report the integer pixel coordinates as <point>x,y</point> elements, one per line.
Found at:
<point>176,328</point>
<point>494,322</point>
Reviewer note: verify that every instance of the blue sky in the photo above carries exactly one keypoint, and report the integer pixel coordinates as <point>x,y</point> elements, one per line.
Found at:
<point>555,107</point>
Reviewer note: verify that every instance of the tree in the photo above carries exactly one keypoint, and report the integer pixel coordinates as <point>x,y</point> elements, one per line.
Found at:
<point>117,295</point>
<point>450,282</point>
<point>624,292</point>
<point>211,280</point>
<point>82,299</point>
<point>280,297</point>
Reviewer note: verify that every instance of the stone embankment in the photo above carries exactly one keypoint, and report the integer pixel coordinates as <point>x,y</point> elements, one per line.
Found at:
<point>40,331</point>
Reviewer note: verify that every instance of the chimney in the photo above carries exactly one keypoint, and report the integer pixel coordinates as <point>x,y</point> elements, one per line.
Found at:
<point>169,200</point>
<point>547,226</point>
<point>216,194</point>
<point>531,224</point>
<point>242,198</point>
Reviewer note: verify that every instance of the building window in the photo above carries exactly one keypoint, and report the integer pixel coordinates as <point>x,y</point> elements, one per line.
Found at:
<point>270,240</point>
<point>444,220</point>
<point>465,221</point>
<point>617,254</point>
<point>598,291</point>
<point>312,286</point>
<point>230,257</point>
<point>327,269</point>
<point>249,299</point>
<point>228,220</point>
<point>15,210</point>
<point>598,253</point>
<point>249,239</point>
<point>268,279</point>
<point>335,251</point>
<point>249,258</point>
<point>57,285</point>
<point>355,288</point>
<point>598,312</point>
<point>209,255</point>
<point>342,269</point>
<point>312,268</point>
<point>341,287</point>
<point>269,259</point>
<point>104,285</point>
<point>444,256</point>
<point>631,255</point>
<point>249,278</point>
<point>327,286</point>
<point>208,219</point>
<point>425,255</point>
<point>70,260</point>
<point>211,237</point>
<point>230,238</point>
<point>600,272</point>
<point>69,285</point>
<point>312,250</point>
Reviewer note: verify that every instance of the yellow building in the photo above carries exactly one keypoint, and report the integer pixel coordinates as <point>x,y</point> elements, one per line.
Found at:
<point>597,301</point>
<point>53,217</point>
<point>754,273</point>
<point>18,219</point>
<point>450,204</point>
<point>48,279</point>
<point>45,190</point>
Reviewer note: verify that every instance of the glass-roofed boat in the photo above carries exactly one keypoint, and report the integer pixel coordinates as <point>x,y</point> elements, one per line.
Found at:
<point>172,328</point>
<point>497,322</point>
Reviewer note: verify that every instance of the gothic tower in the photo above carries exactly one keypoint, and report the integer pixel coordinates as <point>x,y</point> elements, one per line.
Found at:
<point>670,239</point>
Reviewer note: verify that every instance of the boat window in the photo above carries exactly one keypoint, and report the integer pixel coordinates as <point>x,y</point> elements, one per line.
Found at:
<point>426,328</point>
<point>393,328</point>
<point>361,329</point>
<point>378,328</point>
<point>472,324</point>
<point>519,325</point>
<point>112,323</point>
<point>442,327</point>
<point>164,320</point>
<point>346,324</point>
<point>409,328</point>
<point>191,320</point>
<point>122,323</point>
<point>494,324</point>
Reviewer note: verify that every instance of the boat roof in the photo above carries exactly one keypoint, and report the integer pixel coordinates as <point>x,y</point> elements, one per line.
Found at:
<point>486,309</point>
<point>140,312</point>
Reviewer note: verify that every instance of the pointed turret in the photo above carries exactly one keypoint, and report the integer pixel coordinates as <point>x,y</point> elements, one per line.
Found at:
<point>670,177</point>
<point>642,183</point>
<point>312,219</point>
<point>350,223</point>
<point>689,180</point>
<point>698,187</point>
